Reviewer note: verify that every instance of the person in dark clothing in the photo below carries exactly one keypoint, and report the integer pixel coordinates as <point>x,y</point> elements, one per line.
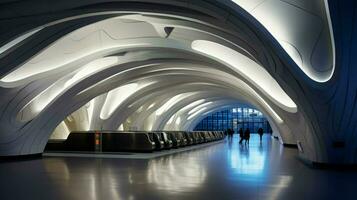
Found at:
<point>241,135</point>
<point>260,132</point>
<point>231,132</point>
<point>247,136</point>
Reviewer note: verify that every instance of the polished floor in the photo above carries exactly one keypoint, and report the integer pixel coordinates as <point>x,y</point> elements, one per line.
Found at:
<point>220,171</point>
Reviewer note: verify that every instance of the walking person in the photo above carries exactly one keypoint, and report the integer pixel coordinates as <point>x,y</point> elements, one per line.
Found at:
<point>247,136</point>
<point>231,132</point>
<point>260,132</point>
<point>241,135</point>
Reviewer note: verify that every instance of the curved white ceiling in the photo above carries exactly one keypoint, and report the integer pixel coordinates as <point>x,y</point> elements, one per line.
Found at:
<point>40,101</point>
<point>116,97</point>
<point>248,69</point>
<point>197,112</point>
<point>118,33</point>
<point>84,42</point>
<point>172,101</point>
<point>83,53</point>
<point>303,28</point>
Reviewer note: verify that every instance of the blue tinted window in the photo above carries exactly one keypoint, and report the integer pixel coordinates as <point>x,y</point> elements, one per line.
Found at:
<point>236,118</point>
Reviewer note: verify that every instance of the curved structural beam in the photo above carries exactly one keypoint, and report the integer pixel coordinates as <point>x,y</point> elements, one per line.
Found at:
<point>287,20</point>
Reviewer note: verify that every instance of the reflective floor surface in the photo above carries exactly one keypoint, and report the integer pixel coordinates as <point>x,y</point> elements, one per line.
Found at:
<point>221,171</point>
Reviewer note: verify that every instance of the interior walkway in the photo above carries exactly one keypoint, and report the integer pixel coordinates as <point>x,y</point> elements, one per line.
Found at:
<point>221,171</point>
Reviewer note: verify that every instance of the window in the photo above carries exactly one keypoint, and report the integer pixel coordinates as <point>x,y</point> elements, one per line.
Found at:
<point>236,118</point>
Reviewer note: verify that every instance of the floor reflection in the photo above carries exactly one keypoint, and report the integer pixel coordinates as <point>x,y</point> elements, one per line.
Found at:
<point>174,174</point>
<point>246,159</point>
<point>167,174</point>
<point>220,171</point>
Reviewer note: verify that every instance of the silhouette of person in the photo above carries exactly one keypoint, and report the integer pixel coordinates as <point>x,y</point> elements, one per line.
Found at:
<point>226,133</point>
<point>241,135</point>
<point>231,132</point>
<point>260,132</point>
<point>247,135</point>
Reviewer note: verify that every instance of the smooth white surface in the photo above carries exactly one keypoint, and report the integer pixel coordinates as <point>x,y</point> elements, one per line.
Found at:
<point>150,106</point>
<point>121,127</point>
<point>178,120</point>
<point>116,97</point>
<point>196,113</point>
<point>193,104</point>
<point>171,119</point>
<point>298,28</point>
<point>91,68</point>
<point>171,102</point>
<point>90,110</point>
<point>249,69</point>
<point>39,102</point>
<point>168,104</point>
<point>81,43</point>
<point>199,107</point>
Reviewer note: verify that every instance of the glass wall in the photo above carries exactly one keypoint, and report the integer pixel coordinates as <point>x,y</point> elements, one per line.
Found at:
<point>235,118</point>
